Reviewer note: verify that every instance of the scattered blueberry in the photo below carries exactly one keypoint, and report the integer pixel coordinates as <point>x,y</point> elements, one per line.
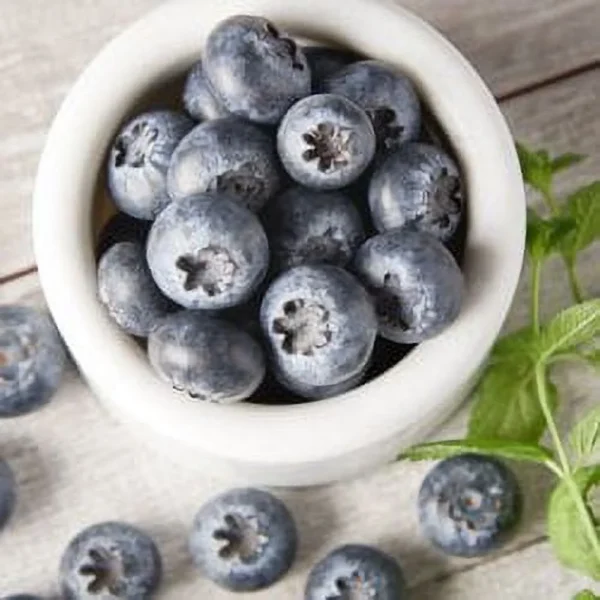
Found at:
<point>122,228</point>
<point>468,504</point>
<point>139,159</point>
<point>387,96</point>
<point>325,141</point>
<point>32,360</point>
<point>321,326</point>
<point>324,62</point>
<point>206,357</point>
<point>244,540</point>
<point>110,561</point>
<point>308,226</point>
<point>226,155</point>
<point>8,494</point>
<point>128,291</point>
<point>257,71</point>
<point>419,185</point>
<point>199,98</point>
<point>356,572</point>
<point>207,252</point>
<point>416,282</point>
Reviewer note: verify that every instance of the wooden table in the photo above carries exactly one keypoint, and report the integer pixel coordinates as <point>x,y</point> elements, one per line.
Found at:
<point>76,466</point>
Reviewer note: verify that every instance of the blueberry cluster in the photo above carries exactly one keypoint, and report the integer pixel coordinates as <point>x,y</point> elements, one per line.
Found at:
<point>298,221</point>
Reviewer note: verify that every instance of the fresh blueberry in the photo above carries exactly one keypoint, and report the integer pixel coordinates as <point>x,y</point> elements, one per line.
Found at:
<point>199,98</point>
<point>325,141</point>
<point>307,226</point>
<point>419,185</point>
<point>468,504</point>
<point>226,155</point>
<point>356,572</point>
<point>321,326</point>
<point>206,357</point>
<point>207,252</point>
<point>139,159</point>
<point>128,291</point>
<point>8,494</point>
<point>257,71</point>
<point>387,96</point>
<point>121,228</point>
<point>32,360</point>
<point>416,282</point>
<point>244,540</point>
<point>110,561</point>
<point>324,62</point>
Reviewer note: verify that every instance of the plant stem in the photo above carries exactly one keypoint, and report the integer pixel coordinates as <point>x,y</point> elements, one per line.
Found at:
<point>536,271</point>
<point>550,200</point>
<point>576,290</point>
<point>567,473</point>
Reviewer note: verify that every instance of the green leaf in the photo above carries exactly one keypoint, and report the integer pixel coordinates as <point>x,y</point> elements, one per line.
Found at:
<point>586,595</point>
<point>536,167</point>
<point>583,206</point>
<point>498,448</point>
<point>547,236</point>
<point>592,358</point>
<point>576,325</point>
<point>519,345</point>
<point>585,436</point>
<point>567,160</point>
<point>567,528</point>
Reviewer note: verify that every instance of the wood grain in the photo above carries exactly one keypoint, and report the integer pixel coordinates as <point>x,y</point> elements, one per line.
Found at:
<point>44,45</point>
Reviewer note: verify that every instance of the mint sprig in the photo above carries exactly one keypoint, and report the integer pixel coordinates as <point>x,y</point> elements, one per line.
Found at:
<point>515,401</point>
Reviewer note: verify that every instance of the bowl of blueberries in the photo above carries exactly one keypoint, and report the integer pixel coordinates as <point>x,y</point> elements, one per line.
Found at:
<point>280,237</point>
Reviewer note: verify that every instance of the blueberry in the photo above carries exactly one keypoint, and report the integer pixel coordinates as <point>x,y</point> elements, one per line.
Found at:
<point>139,159</point>
<point>416,282</point>
<point>199,97</point>
<point>325,141</point>
<point>32,360</point>
<point>307,226</point>
<point>8,494</point>
<point>257,71</point>
<point>324,62</point>
<point>21,597</point>
<point>110,561</point>
<point>207,252</point>
<point>419,185</point>
<point>122,228</point>
<point>468,504</point>
<point>244,540</point>
<point>356,572</point>
<point>206,357</point>
<point>321,326</point>
<point>226,155</point>
<point>387,96</point>
<point>128,291</point>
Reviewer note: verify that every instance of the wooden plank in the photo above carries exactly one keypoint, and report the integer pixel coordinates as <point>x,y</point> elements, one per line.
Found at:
<point>43,48</point>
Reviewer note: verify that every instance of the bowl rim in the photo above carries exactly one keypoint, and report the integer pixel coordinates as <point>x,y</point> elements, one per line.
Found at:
<point>311,432</point>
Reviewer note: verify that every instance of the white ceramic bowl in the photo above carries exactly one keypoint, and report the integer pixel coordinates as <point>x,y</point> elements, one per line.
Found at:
<point>281,445</point>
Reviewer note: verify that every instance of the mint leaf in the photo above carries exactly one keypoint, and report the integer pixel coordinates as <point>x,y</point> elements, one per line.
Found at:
<point>586,595</point>
<point>536,167</point>
<point>572,327</point>
<point>498,448</point>
<point>565,161</point>
<point>547,236</point>
<point>519,345</point>
<point>583,206</point>
<point>569,526</point>
<point>585,436</point>
<point>592,358</point>
<point>506,404</point>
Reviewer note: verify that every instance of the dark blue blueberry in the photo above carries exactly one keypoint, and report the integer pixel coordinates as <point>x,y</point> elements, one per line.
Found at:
<point>208,252</point>
<point>307,226</point>
<point>110,561</point>
<point>356,572</point>
<point>468,505</point>
<point>244,540</point>
<point>122,228</point>
<point>324,62</point>
<point>126,288</point>
<point>32,360</point>
<point>387,96</point>
<point>325,141</point>
<point>8,493</point>
<point>139,159</point>
<point>226,155</point>
<point>206,357</point>
<point>416,282</point>
<point>257,71</point>
<point>321,326</point>
<point>419,185</point>
<point>199,98</point>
